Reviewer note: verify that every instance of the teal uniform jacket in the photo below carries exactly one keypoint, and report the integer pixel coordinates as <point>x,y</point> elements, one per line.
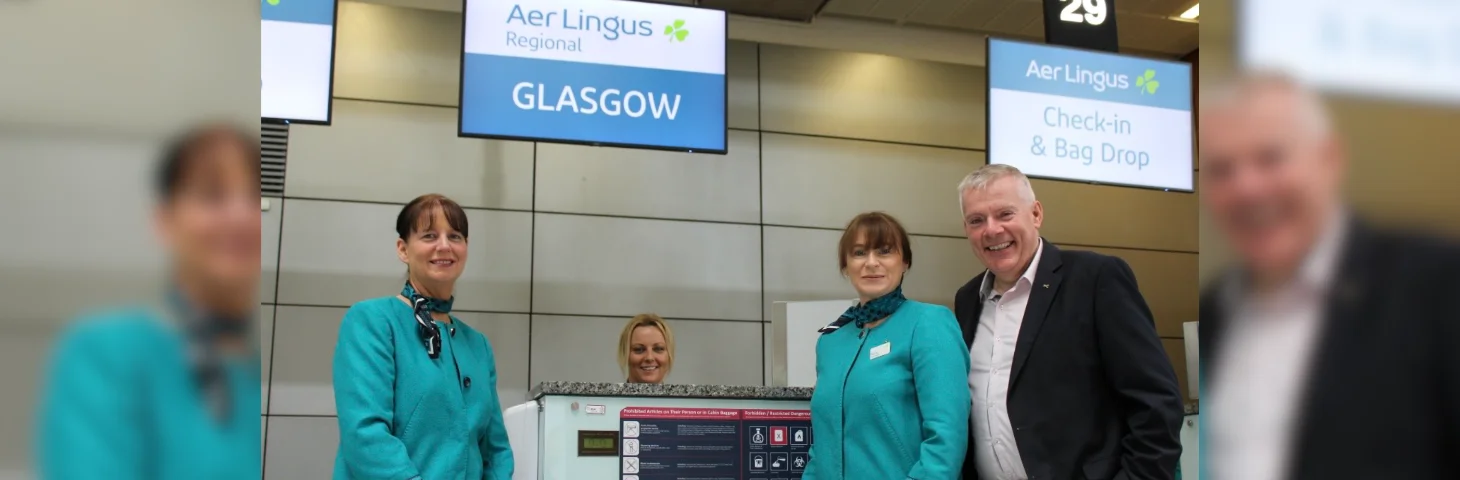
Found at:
<point>405,415</point>
<point>121,402</point>
<point>894,403</point>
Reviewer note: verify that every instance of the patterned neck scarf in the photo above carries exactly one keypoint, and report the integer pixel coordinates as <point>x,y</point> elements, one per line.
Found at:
<point>203,332</point>
<point>431,304</point>
<point>421,307</point>
<point>860,315</point>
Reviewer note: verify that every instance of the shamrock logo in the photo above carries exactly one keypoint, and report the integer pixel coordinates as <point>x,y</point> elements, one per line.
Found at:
<point>273,2</point>
<point>1148,82</point>
<point>675,31</point>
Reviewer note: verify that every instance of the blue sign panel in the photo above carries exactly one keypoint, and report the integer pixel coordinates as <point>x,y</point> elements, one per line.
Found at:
<point>595,72</point>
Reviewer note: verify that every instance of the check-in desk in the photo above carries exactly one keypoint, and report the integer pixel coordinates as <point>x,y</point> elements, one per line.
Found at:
<point>614,431</point>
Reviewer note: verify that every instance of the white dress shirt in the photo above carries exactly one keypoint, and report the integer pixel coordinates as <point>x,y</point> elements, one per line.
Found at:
<point>991,359</point>
<point>1266,354</point>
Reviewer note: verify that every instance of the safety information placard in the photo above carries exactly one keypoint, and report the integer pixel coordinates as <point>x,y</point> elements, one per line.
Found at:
<point>713,444</point>
<point>777,443</point>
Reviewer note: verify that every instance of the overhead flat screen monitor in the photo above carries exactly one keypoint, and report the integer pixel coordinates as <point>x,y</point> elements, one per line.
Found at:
<point>1069,114</point>
<point>595,72</point>
<point>1404,50</point>
<point>297,59</point>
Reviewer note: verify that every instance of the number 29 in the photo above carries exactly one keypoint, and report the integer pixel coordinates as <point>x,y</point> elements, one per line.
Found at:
<point>1094,11</point>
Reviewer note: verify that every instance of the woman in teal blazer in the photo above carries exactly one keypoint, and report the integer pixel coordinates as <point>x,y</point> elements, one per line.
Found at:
<point>891,398</point>
<point>415,388</point>
<point>170,389</point>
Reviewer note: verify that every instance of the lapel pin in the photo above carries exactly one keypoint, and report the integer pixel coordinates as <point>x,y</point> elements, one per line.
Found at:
<point>1046,285</point>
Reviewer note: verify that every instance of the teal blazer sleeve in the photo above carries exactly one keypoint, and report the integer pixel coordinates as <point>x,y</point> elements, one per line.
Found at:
<point>364,381</point>
<point>496,451</point>
<point>940,375</point>
<point>87,425</point>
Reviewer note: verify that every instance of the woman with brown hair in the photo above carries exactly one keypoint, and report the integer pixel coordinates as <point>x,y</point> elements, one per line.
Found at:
<point>403,367</point>
<point>891,398</point>
<point>169,389</point>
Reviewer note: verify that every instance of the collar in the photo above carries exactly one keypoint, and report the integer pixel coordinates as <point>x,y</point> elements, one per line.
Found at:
<point>1322,263</point>
<point>198,322</point>
<point>987,287</point>
<point>421,302</point>
<point>1317,270</point>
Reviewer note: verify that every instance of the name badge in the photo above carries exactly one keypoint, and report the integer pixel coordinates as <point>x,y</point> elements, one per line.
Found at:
<point>880,350</point>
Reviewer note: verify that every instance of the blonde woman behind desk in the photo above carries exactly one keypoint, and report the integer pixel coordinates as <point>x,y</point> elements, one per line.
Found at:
<point>646,349</point>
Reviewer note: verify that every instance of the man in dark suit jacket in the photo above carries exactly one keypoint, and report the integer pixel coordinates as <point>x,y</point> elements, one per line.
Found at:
<point>1332,350</point>
<point>1381,395</point>
<point>1069,378</point>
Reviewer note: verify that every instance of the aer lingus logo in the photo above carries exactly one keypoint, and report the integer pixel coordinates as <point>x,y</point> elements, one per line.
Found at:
<point>676,31</point>
<point>1147,83</point>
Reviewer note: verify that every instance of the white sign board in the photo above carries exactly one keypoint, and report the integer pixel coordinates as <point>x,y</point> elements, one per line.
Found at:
<point>296,59</point>
<point>1069,114</point>
<point>1401,49</point>
<point>794,332</point>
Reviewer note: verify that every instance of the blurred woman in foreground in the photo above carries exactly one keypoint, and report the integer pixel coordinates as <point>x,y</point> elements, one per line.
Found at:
<point>646,349</point>
<point>171,392</point>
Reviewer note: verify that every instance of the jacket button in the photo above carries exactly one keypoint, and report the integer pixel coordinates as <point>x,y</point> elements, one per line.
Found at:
<point>466,382</point>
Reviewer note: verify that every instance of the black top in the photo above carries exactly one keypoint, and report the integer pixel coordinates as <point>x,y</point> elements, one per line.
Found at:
<point>1383,392</point>
<point>1092,394</point>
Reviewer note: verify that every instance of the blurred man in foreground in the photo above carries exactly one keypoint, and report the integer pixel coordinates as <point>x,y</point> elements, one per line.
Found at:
<point>171,392</point>
<point>1332,351</point>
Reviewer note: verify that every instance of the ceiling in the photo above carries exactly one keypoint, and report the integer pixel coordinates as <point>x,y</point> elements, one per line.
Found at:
<point>794,10</point>
<point>1145,26</point>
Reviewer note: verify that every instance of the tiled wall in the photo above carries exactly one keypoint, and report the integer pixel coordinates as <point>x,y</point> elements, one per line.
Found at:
<point>569,241</point>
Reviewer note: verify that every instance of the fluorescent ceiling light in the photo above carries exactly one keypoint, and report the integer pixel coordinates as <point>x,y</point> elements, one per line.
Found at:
<point>1192,13</point>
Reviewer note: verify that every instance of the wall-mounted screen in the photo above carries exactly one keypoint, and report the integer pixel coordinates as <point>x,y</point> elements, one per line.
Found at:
<point>297,59</point>
<point>1401,50</point>
<point>1069,114</point>
<point>596,72</point>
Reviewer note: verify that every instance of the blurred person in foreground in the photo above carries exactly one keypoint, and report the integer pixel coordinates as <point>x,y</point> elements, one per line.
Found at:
<point>407,405</point>
<point>889,401</point>
<point>1069,379</point>
<point>171,392</point>
<point>646,349</point>
<point>1332,350</point>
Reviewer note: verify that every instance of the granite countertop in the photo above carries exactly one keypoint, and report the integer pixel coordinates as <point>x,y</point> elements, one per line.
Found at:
<point>752,392</point>
<point>587,389</point>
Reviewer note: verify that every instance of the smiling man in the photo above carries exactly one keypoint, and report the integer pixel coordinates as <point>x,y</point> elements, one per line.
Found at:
<point>1068,377</point>
<point>1329,349</point>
